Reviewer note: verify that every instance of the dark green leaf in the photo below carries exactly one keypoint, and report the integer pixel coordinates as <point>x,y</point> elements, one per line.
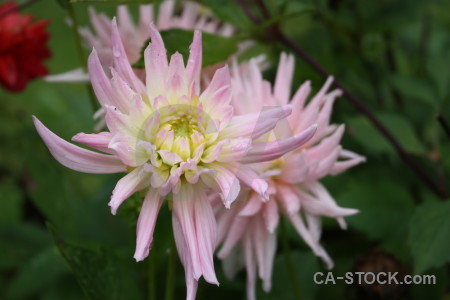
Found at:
<point>99,271</point>
<point>40,272</point>
<point>216,48</point>
<point>429,235</point>
<point>11,198</point>
<point>20,242</point>
<point>228,11</point>
<point>364,132</point>
<point>385,210</point>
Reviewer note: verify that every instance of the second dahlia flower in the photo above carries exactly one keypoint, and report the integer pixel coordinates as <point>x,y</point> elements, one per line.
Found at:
<point>248,230</point>
<point>171,138</point>
<point>23,48</point>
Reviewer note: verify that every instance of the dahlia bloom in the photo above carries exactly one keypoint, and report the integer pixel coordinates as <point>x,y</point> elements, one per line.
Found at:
<point>248,230</point>
<point>171,138</point>
<point>134,37</point>
<point>192,16</point>
<point>22,49</point>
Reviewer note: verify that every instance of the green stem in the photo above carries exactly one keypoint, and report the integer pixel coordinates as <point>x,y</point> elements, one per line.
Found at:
<point>288,259</point>
<point>152,275</point>
<point>75,29</point>
<point>171,268</point>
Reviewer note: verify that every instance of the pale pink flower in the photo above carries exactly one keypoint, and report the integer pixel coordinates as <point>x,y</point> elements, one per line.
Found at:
<point>133,36</point>
<point>192,17</point>
<point>247,230</point>
<point>171,138</point>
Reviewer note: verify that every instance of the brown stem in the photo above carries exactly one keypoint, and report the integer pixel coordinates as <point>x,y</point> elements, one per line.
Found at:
<point>360,106</point>
<point>18,7</point>
<point>443,124</point>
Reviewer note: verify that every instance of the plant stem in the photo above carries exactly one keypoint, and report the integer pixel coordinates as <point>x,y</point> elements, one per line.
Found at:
<point>152,275</point>
<point>443,124</point>
<point>75,28</point>
<point>288,260</point>
<point>441,192</point>
<point>171,269</point>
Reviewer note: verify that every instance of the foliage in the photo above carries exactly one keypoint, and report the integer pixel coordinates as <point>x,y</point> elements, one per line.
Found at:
<point>394,55</point>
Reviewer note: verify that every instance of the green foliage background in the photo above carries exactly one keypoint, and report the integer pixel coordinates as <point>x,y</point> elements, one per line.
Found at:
<point>59,241</point>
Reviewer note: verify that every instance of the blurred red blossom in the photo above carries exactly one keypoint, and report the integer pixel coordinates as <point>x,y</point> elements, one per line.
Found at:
<point>22,49</point>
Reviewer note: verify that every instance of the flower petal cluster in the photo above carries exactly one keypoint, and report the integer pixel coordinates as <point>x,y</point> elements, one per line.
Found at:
<point>173,139</point>
<point>248,230</point>
<point>23,48</point>
<point>192,17</point>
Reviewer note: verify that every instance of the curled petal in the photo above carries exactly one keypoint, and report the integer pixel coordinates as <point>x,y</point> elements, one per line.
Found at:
<point>261,152</point>
<point>256,124</point>
<point>97,141</point>
<point>125,187</point>
<point>77,158</point>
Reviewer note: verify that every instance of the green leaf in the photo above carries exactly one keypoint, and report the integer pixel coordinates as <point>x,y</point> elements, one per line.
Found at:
<point>228,11</point>
<point>385,210</point>
<point>19,242</point>
<point>366,134</point>
<point>38,274</point>
<point>12,200</point>
<point>403,131</point>
<point>216,48</point>
<point>99,271</point>
<point>413,88</point>
<point>429,236</point>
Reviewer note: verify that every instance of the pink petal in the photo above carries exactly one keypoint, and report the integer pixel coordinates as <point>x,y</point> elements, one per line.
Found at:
<point>235,233</point>
<point>165,14</point>
<point>156,64</point>
<point>185,257</point>
<point>255,124</point>
<point>194,64</point>
<point>98,141</point>
<point>100,82</point>
<point>118,122</point>
<point>288,198</point>
<point>250,265</point>
<point>205,224</point>
<point>250,178</point>
<point>271,215</point>
<point>252,207</point>
<point>283,80</point>
<point>263,151</point>
<point>295,168</point>
<point>224,180</point>
<point>299,99</point>
<point>234,150</point>
<point>125,187</point>
<point>146,224</point>
<point>353,159</point>
<point>121,63</point>
<point>183,211</point>
<point>124,17</point>
<point>77,158</point>
<point>327,145</point>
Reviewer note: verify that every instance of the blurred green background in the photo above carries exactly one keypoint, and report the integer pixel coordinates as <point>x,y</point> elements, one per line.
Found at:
<point>58,239</point>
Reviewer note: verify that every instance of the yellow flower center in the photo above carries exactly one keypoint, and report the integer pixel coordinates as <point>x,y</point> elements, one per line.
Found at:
<point>180,134</point>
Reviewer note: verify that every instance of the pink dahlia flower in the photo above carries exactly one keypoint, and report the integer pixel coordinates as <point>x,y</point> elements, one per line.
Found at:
<point>133,36</point>
<point>168,137</point>
<point>192,17</point>
<point>248,230</point>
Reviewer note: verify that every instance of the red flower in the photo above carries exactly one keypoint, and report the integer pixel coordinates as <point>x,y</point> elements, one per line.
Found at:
<point>22,48</point>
